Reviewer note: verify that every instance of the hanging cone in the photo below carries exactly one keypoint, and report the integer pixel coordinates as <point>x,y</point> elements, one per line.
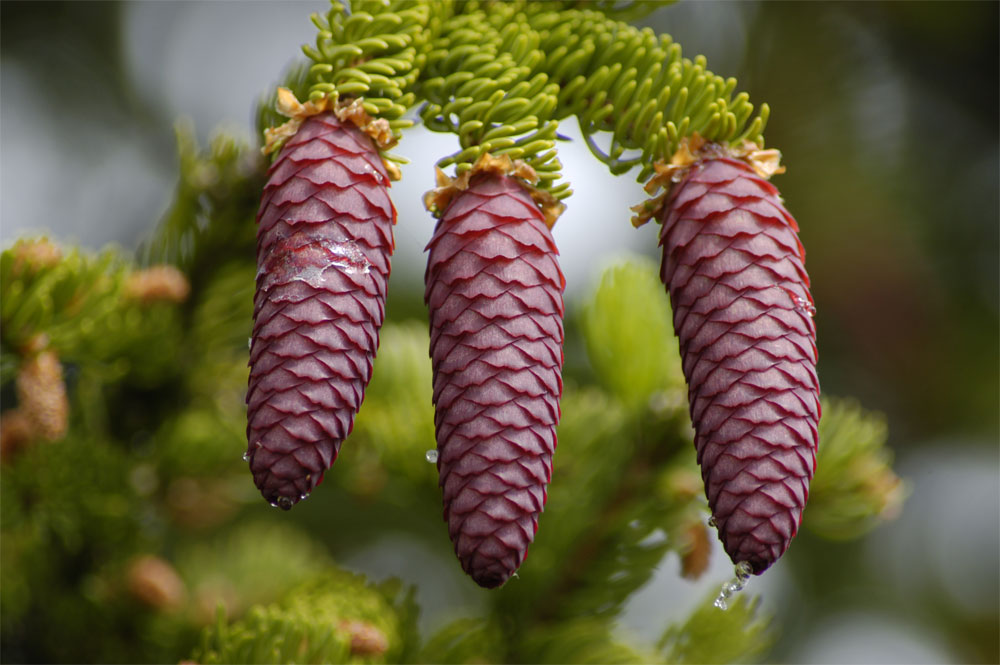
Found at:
<point>494,291</point>
<point>734,268</point>
<point>323,246</point>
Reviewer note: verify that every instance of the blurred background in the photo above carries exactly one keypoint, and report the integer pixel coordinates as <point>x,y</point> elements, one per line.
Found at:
<point>886,116</point>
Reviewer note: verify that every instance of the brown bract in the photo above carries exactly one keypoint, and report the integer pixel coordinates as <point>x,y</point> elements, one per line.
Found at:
<point>694,149</point>
<point>346,110</point>
<point>437,199</point>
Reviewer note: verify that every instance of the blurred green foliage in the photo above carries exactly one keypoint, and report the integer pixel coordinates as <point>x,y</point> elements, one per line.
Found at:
<point>336,618</point>
<point>628,309</point>
<point>855,488</point>
<point>740,635</point>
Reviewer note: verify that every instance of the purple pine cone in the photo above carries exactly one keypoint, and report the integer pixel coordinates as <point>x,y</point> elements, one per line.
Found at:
<point>494,291</point>
<point>323,245</point>
<point>734,268</point>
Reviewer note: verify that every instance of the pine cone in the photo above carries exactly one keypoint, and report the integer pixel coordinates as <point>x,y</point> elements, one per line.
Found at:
<point>734,268</point>
<point>323,246</point>
<point>494,291</point>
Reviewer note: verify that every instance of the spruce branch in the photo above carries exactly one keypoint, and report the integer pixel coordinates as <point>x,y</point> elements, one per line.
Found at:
<point>740,634</point>
<point>372,53</point>
<point>57,297</point>
<point>621,10</point>
<point>500,75</point>
<point>480,83</point>
<point>338,617</point>
<point>215,198</point>
<point>855,488</point>
<point>635,84</point>
<point>580,640</point>
<point>396,424</point>
<point>94,310</point>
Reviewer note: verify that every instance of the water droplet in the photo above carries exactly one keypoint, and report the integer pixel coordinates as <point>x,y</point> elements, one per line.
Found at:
<point>284,502</point>
<point>712,522</point>
<point>246,457</point>
<point>743,571</point>
<point>303,497</point>
<point>249,342</point>
<point>805,307</point>
<point>431,456</point>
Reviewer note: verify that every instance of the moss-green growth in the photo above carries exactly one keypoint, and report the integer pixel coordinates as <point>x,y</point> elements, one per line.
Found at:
<point>255,563</point>
<point>68,297</point>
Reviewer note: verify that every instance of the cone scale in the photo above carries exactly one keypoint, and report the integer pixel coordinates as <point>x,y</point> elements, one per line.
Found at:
<point>734,268</point>
<point>494,293</point>
<point>324,239</point>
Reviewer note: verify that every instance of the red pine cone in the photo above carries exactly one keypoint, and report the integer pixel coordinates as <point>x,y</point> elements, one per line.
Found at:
<point>494,291</point>
<point>734,268</point>
<point>323,246</point>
